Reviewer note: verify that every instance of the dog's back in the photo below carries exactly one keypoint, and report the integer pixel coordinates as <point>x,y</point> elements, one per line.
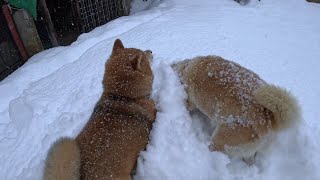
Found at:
<point>242,105</point>
<point>122,119</point>
<point>112,139</point>
<point>226,83</point>
<point>119,127</point>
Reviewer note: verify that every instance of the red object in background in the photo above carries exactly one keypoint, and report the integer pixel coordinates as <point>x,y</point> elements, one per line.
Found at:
<point>14,32</point>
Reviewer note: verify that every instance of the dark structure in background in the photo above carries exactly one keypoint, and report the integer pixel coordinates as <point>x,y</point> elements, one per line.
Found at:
<point>73,17</point>
<point>315,1</point>
<point>94,13</point>
<point>64,19</point>
<point>9,55</point>
<point>59,22</point>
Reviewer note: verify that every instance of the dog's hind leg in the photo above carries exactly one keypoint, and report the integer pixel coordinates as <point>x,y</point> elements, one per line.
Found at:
<point>236,140</point>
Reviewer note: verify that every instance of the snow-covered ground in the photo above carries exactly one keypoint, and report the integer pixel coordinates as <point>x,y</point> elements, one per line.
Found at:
<point>54,93</point>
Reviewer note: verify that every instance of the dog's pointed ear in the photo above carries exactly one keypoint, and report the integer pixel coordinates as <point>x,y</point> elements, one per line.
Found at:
<point>117,45</point>
<point>136,62</point>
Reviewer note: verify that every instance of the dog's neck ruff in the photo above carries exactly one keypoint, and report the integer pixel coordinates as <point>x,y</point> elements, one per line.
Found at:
<point>115,97</point>
<point>121,104</point>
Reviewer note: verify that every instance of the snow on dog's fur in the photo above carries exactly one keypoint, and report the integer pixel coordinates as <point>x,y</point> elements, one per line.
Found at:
<point>244,108</point>
<point>109,144</point>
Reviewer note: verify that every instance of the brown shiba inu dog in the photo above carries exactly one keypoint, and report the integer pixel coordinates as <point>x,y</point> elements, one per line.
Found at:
<point>109,144</point>
<point>245,109</point>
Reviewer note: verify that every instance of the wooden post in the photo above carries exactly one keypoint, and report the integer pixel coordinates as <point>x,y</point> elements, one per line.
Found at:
<point>14,32</point>
<point>47,18</point>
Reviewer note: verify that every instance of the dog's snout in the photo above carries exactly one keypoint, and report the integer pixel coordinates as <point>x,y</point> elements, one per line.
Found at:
<point>149,55</point>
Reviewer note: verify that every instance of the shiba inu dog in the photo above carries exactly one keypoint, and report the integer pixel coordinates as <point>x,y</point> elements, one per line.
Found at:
<point>109,144</point>
<point>246,111</point>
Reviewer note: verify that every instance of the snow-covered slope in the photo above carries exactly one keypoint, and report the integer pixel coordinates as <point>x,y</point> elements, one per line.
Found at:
<point>54,93</point>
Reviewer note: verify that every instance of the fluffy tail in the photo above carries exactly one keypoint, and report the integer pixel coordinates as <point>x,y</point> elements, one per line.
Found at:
<point>281,103</point>
<point>63,161</point>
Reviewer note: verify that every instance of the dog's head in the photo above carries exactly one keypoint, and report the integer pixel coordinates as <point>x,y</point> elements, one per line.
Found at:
<point>128,72</point>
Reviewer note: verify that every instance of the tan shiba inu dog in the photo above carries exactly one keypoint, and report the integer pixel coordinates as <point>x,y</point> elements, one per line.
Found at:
<point>109,144</point>
<point>246,111</point>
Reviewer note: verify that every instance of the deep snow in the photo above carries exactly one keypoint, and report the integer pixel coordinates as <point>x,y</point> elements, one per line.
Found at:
<point>54,93</point>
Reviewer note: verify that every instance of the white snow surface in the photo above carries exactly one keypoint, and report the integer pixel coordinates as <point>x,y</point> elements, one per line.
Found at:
<point>54,93</point>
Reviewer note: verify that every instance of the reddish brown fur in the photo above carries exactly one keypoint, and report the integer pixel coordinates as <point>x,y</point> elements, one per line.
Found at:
<point>122,119</point>
<point>119,127</point>
<point>128,74</point>
<point>224,91</point>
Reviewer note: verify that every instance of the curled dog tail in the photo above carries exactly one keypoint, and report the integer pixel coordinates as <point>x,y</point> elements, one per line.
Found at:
<point>63,161</point>
<point>281,103</point>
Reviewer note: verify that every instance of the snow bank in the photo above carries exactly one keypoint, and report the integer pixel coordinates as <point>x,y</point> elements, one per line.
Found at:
<point>175,151</point>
